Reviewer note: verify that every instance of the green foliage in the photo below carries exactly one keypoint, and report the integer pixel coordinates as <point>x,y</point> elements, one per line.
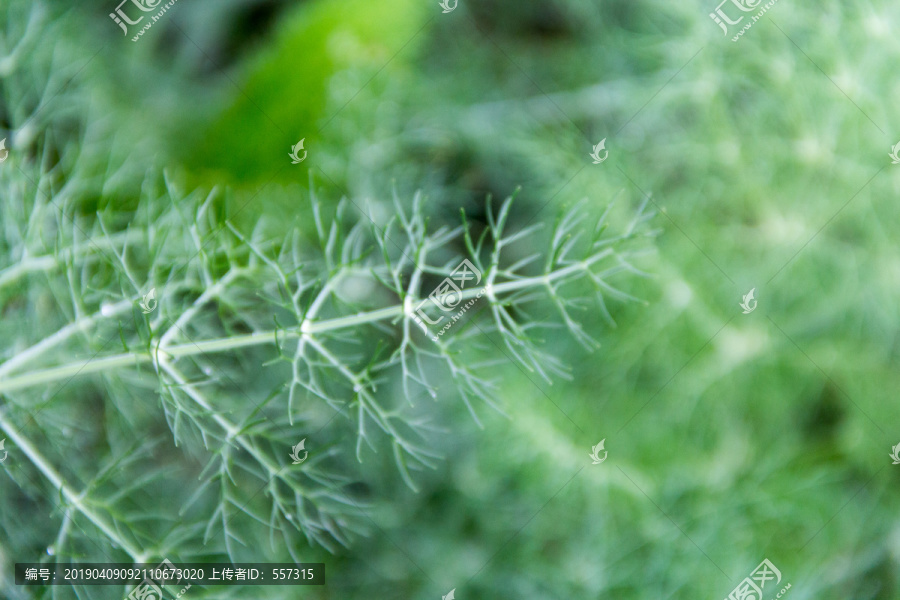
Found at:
<point>731,437</point>
<point>284,89</point>
<point>165,432</point>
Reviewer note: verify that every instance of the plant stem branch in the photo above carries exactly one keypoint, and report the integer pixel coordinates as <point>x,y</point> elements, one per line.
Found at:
<point>60,336</point>
<point>74,499</point>
<point>135,358</point>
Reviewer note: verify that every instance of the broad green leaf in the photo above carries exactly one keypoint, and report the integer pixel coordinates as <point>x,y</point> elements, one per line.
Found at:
<point>283,90</point>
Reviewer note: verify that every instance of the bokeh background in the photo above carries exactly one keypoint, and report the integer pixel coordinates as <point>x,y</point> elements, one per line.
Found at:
<point>731,437</point>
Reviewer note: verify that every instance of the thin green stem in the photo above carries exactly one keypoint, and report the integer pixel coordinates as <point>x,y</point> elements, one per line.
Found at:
<point>108,363</point>
<point>71,497</point>
<point>48,262</point>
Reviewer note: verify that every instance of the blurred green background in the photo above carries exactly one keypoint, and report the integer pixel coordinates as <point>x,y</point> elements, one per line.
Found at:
<point>731,437</point>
